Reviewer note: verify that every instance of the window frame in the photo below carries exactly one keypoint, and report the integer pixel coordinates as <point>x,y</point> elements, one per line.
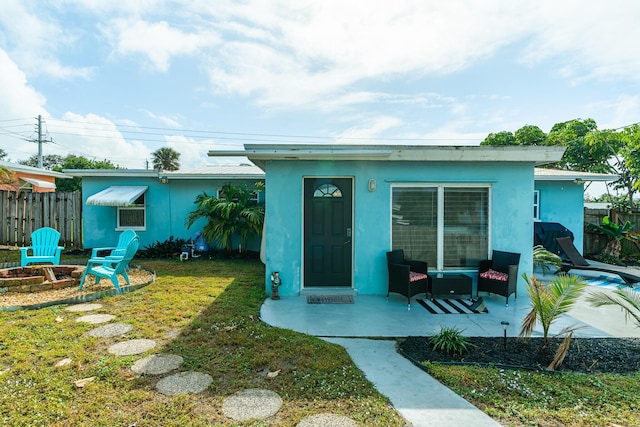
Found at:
<point>440,230</point>
<point>138,205</point>
<point>536,205</point>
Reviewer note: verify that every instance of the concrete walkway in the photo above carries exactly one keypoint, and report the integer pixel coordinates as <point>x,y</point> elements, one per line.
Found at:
<point>423,402</point>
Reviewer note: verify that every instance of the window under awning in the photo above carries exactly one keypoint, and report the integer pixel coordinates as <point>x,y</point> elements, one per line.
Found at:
<point>117,196</point>
<point>39,183</point>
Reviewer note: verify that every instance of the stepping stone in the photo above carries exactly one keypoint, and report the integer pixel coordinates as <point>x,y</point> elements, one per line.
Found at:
<point>131,347</point>
<point>327,420</point>
<point>252,403</point>
<point>157,364</point>
<point>96,318</point>
<point>83,307</point>
<point>110,330</point>
<point>184,382</point>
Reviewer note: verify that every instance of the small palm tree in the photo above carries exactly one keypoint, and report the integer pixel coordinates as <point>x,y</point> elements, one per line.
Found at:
<point>627,299</point>
<point>545,259</point>
<point>236,212</point>
<point>166,159</point>
<point>548,303</point>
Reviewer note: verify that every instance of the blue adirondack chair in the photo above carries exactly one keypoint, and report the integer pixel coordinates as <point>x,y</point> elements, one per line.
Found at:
<point>115,251</point>
<point>113,267</point>
<point>44,248</point>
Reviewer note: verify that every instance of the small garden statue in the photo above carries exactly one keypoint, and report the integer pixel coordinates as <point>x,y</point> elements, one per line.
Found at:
<point>275,284</point>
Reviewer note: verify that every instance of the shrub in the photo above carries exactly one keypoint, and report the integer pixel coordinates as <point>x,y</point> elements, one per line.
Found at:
<point>168,249</point>
<point>450,340</point>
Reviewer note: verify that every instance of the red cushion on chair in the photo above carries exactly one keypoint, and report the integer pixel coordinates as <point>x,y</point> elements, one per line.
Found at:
<point>495,275</point>
<point>414,277</point>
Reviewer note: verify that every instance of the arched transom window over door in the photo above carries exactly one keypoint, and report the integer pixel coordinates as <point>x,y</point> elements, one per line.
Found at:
<point>327,190</point>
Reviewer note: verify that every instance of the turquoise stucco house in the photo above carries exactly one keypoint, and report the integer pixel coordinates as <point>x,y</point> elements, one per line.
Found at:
<point>348,205</point>
<point>333,211</point>
<point>153,203</point>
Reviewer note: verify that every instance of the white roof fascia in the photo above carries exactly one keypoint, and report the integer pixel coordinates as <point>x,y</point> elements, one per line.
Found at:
<point>117,196</point>
<point>542,174</point>
<point>112,172</point>
<point>431,153</point>
<point>16,167</point>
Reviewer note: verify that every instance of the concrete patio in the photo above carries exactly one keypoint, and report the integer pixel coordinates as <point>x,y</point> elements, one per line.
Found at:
<point>369,327</point>
<point>374,317</point>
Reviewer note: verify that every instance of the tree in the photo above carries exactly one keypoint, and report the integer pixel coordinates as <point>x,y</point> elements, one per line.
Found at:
<point>7,176</point>
<point>500,138</point>
<point>166,158</point>
<point>236,212</point>
<point>3,154</point>
<point>78,162</point>
<point>49,161</point>
<point>530,135</point>
<point>579,155</point>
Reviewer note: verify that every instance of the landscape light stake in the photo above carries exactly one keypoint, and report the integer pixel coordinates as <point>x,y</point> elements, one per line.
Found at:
<point>505,326</point>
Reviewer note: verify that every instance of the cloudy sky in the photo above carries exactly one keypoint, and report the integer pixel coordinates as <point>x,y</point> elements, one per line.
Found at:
<point>118,79</point>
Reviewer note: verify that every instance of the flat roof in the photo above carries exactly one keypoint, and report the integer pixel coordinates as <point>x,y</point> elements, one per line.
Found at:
<point>17,167</point>
<point>544,174</point>
<point>240,171</point>
<point>259,153</point>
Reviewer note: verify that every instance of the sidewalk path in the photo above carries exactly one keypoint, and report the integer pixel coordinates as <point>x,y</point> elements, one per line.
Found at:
<point>420,399</point>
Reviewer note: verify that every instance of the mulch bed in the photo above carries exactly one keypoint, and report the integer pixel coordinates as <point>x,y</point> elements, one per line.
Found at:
<point>588,355</point>
<point>137,276</point>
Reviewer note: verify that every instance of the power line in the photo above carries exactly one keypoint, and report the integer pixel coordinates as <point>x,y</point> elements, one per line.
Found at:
<point>249,136</point>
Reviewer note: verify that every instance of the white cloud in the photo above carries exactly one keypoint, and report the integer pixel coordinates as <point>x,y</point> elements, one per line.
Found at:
<point>158,41</point>
<point>17,97</point>
<point>589,40</point>
<point>97,138</point>
<point>165,120</point>
<point>34,41</point>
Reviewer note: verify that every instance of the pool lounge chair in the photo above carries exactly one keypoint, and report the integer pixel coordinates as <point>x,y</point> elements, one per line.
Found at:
<point>575,261</point>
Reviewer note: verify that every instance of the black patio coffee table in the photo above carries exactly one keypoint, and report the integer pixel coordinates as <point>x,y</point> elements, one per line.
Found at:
<point>450,284</point>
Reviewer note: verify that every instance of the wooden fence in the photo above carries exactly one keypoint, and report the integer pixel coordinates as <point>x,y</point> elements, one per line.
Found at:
<point>594,243</point>
<point>24,212</point>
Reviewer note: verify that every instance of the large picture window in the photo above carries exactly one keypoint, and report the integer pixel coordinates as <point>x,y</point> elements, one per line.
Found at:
<point>134,216</point>
<point>445,225</point>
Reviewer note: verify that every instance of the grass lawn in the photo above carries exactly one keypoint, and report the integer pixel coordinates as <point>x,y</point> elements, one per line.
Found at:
<point>205,311</point>
<point>527,398</point>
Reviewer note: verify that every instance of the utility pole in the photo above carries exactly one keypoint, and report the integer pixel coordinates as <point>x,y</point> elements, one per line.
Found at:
<point>40,140</point>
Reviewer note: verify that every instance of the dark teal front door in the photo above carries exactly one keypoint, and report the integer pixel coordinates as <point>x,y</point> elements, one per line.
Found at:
<point>327,231</point>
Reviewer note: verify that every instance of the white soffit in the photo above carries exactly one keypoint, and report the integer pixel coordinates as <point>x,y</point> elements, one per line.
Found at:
<point>117,196</point>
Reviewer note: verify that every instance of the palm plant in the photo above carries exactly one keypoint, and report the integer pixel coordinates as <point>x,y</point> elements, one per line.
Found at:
<point>627,299</point>
<point>548,303</point>
<point>614,232</point>
<point>545,259</point>
<point>166,159</point>
<point>7,176</point>
<point>235,213</point>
